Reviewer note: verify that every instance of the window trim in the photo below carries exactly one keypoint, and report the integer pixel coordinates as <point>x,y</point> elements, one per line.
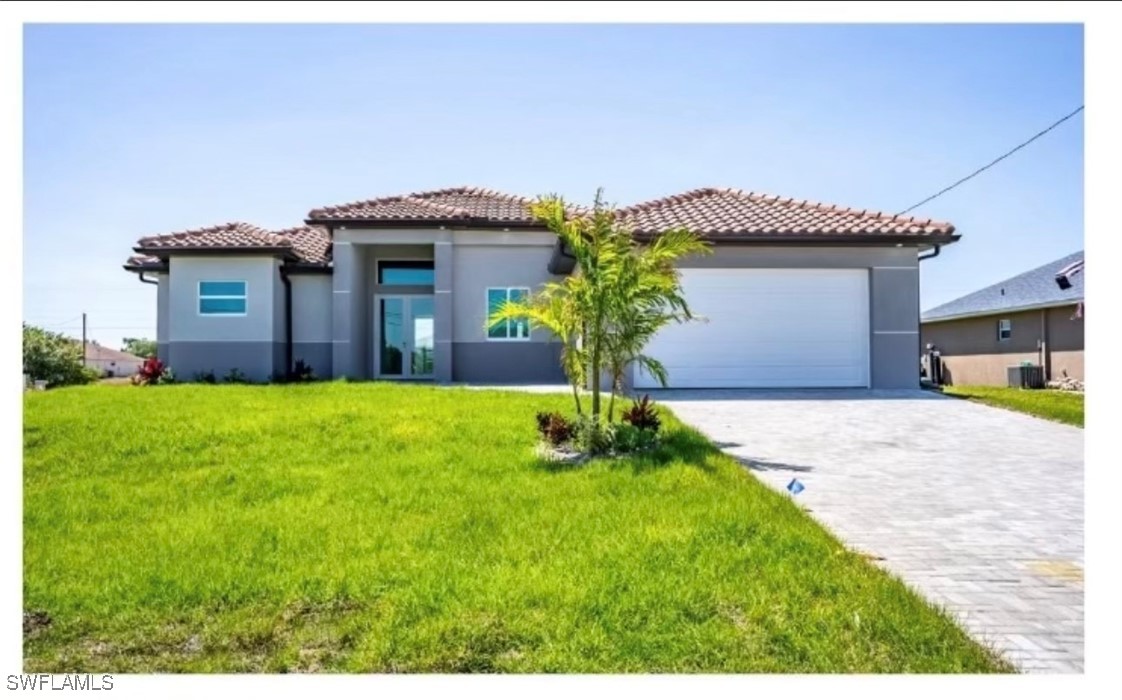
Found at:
<point>487,308</point>
<point>199,296</point>
<point>1004,325</point>
<point>410,263</point>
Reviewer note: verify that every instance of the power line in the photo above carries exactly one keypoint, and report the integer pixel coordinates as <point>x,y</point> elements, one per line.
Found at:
<point>992,163</point>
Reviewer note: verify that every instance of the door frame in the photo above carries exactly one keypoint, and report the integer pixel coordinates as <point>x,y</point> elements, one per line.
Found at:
<point>407,323</point>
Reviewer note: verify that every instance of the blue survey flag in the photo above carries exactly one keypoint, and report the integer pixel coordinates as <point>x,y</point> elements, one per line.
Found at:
<point>795,487</point>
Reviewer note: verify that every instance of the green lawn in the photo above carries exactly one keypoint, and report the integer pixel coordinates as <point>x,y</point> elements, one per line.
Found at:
<point>1062,406</point>
<point>375,528</point>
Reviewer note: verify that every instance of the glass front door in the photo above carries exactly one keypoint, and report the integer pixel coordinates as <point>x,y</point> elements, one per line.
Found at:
<point>406,342</point>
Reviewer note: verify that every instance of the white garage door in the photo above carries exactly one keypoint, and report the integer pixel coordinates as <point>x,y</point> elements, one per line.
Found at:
<point>768,328</point>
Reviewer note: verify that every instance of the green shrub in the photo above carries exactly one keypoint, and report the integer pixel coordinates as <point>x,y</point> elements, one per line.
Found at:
<point>627,438</point>
<point>643,414</point>
<point>592,437</point>
<point>55,358</point>
<point>554,428</point>
<point>301,372</point>
<point>206,377</point>
<point>235,376</point>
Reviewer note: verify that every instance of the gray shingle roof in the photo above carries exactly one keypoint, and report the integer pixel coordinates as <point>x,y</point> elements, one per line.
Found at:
<point>1035,288</point>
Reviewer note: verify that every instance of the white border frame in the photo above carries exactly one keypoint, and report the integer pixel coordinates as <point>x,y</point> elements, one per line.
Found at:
<point>1000,328</point>
<point>487,314</point>
<point>199,299</point>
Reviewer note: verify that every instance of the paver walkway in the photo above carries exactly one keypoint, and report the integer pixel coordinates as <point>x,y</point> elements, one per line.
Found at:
<point>978,508</point>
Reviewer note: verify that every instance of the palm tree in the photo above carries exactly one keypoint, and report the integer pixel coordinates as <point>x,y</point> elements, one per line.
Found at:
<point>619,295</point>
<point>648,296</point>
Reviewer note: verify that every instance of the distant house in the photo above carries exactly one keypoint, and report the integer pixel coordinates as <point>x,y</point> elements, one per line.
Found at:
<point>1035,317</point>
<point>110,362</point>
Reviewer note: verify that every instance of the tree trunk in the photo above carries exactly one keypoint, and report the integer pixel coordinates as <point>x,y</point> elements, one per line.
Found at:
<point>612,404</point>
<point>596,383</point>
<point>576,397</point>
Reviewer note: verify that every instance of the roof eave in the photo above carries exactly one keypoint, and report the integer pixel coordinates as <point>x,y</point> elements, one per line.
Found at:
<point>162,252</point>
<point>149,267</point>
<point>1004,310</point>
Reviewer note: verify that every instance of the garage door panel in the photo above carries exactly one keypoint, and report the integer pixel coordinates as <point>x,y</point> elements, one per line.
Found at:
<point>768,328</point>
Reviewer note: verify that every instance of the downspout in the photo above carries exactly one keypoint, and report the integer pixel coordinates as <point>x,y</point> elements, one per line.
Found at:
<point>146,281</point>
<point>933,254</point>
<point>287,322</point>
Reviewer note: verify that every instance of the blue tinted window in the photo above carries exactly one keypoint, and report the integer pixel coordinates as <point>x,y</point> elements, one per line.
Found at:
<point>222,289</point>
<point>222,297</point>
<point>508,329</point>
<point>221,305</point>
<point>418,272</point>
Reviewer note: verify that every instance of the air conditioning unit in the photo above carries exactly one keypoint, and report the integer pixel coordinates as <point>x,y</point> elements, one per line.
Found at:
<point>1026,376</point>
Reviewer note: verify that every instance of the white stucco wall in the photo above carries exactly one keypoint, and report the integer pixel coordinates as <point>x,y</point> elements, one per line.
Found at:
<point>261,277</point>
<point>311,308</point>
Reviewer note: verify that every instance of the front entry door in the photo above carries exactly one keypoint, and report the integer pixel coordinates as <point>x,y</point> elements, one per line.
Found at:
<point>405,344</point>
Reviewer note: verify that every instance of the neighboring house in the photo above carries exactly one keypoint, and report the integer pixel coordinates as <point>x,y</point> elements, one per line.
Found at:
<point>1028,318</point>
<point>795,294</point>
<point>110,362</point>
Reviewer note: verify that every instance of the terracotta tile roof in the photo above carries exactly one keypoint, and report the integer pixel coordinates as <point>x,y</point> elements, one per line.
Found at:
<point>235,234</point>
<point>311,244</point>
<point>466,204</point>
<point>716,213</point>
<point>138,263</point>
<point>308,244</point>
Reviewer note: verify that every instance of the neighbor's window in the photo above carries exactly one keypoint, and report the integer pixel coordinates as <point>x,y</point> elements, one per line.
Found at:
<point>222,298</point>
<point>402,272</point>
<point>511,329</point>
<point>1004,329</point>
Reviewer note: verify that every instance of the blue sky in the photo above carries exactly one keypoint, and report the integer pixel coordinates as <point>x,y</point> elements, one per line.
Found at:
<point>143,129</point>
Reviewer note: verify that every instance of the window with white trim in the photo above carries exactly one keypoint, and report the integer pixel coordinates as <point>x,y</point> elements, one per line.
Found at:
<point>1004,329</point>
<point>512,328</point>
<point>226,298</point>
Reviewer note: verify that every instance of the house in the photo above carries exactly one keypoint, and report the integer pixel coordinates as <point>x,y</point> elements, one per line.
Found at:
<point>795,294</point>
<point>110,362</point>
<point>1035,317</point>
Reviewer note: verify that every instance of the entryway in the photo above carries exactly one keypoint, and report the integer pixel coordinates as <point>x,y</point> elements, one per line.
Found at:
<point>404,344</point>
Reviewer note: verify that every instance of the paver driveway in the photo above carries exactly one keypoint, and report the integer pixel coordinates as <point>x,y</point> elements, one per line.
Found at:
<point>978,508</point>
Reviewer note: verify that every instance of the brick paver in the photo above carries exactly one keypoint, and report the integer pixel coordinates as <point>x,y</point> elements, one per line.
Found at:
<point>979,509</point>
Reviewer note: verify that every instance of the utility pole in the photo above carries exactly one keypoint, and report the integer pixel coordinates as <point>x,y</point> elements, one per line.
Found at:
<point>83,338</point>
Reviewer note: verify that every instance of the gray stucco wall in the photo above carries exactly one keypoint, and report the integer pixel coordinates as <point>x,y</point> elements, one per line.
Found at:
<point>163,317</point>
<point>311,322</point>
<point>480,263</point>
<point>256,359</point>
<point>252,343</point>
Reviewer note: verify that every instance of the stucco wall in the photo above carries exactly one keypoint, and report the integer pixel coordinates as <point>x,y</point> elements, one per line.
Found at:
<point>187,324</point>
<point>479,267</point>
<point>480,263</point>
<point>311,321</point>
<point>163,315</point>
<point>200,343</point>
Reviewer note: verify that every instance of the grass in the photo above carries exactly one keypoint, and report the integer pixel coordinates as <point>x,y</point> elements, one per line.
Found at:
<point>391,528</point>
<point>1062,406</point>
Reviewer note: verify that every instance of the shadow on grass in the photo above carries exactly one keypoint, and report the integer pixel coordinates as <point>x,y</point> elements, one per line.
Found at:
<point>760,465</point>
